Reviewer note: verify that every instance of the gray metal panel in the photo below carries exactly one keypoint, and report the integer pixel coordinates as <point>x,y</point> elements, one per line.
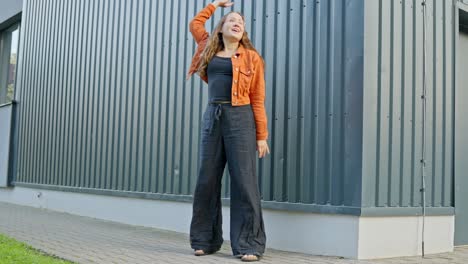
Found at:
<point>393,108</point>
<point>461,146</point>
<point>104,103</point>
<point>5,133</point>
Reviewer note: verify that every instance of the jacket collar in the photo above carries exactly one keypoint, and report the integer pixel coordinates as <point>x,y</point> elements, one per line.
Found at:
<point>240,49</point>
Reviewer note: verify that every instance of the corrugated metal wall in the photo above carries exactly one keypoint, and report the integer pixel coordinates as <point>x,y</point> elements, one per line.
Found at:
<point>393,106</point>
<point>104,103</point>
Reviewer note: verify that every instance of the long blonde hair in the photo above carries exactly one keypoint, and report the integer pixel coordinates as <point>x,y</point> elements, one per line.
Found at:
<point>215,44</point>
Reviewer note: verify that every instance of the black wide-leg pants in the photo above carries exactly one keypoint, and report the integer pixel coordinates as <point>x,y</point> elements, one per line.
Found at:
<point>228,135</point>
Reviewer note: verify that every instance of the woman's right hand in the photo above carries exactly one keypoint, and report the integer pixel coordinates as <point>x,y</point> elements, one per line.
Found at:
<point>223,3</point>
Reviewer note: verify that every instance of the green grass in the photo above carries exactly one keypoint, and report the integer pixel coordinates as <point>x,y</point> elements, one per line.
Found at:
<point>14,252</point>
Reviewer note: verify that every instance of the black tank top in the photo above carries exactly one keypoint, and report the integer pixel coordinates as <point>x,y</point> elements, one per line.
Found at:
<point>219,74</point>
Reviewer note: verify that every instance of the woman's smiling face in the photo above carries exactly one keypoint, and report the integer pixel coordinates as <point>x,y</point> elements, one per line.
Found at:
<point>233,27</point>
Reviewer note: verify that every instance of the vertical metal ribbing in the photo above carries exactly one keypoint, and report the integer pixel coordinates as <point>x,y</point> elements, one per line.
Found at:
<point>80,94</point>
<point>146,181</point>
<point>116,117</point>
<point>423,146</point>
<point>108,118</point>
<point>111,94</point>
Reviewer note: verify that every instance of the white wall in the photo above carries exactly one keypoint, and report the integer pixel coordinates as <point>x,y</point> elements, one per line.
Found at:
<point>319,234</point>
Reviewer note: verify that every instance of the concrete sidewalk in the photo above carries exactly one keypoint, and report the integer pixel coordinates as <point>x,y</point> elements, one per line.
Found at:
<point>88,240</point>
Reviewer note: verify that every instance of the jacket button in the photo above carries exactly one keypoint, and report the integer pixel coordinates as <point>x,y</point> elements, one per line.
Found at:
<point>235,93</point>
<point>237,69</point>
<point>235,81</point>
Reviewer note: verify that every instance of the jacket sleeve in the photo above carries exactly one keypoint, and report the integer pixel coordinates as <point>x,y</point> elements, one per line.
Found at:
<point>197,25</point>
<point>257,99</point>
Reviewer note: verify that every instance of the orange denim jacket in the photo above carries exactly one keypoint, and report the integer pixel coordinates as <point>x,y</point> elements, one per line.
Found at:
<point>248,81</point>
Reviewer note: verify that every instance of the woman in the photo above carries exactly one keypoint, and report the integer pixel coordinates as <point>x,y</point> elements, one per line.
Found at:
<point>234,128</point>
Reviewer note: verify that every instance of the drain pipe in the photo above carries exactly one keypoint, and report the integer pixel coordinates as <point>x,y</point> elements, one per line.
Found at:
<point>423,147</point>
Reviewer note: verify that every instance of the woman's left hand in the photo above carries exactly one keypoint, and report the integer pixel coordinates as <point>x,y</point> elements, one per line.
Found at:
<point>262,148</point>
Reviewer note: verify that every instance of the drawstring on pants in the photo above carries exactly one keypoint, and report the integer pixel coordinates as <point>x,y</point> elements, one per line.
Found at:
<point>216,114</point>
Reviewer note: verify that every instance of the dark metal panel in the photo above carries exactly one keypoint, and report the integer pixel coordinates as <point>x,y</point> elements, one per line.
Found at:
<point>417,104</point>
<point>102,92</point>
<point>371,96</point>
<point>438,110</point>
<point>137,97</point>
<point>353,103</point>
<point>121,107</point>
<point>46,91</point>
<point>51,95</point>
<point>145,152</point>
<point>43,113</point>
<point>293,104</point>
<point>29,104</point>
<point>313,110</point>
<point>68,107</point>
<point>112,80</point>
<point>86,101</point>
<point>162,103</point>
<point>304,81</point>
<point>449,100</point>
<point>78,112</point>
<point>336,102</point>
<point>155,108</point>
<point>279,159</point>
<point>58,90</point>
<point>115,94</point>
<point>171,113</point>
<point>129,48</point>
<point>396,104</point>
<point>103,97</point>
<point>265,34</point>
<point>36,96</point>
<point>64,96</point>
<point>99,90</point>
<point>109,107</point>
<point>461,146</point>
<point>73,72</point>
<point>384,98</point>
<point>182,171</point>
<point>179,108</point>
<point>408,45</point>
<point>32,122</point>
<point>320,114</point>
<point>84,87</point>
